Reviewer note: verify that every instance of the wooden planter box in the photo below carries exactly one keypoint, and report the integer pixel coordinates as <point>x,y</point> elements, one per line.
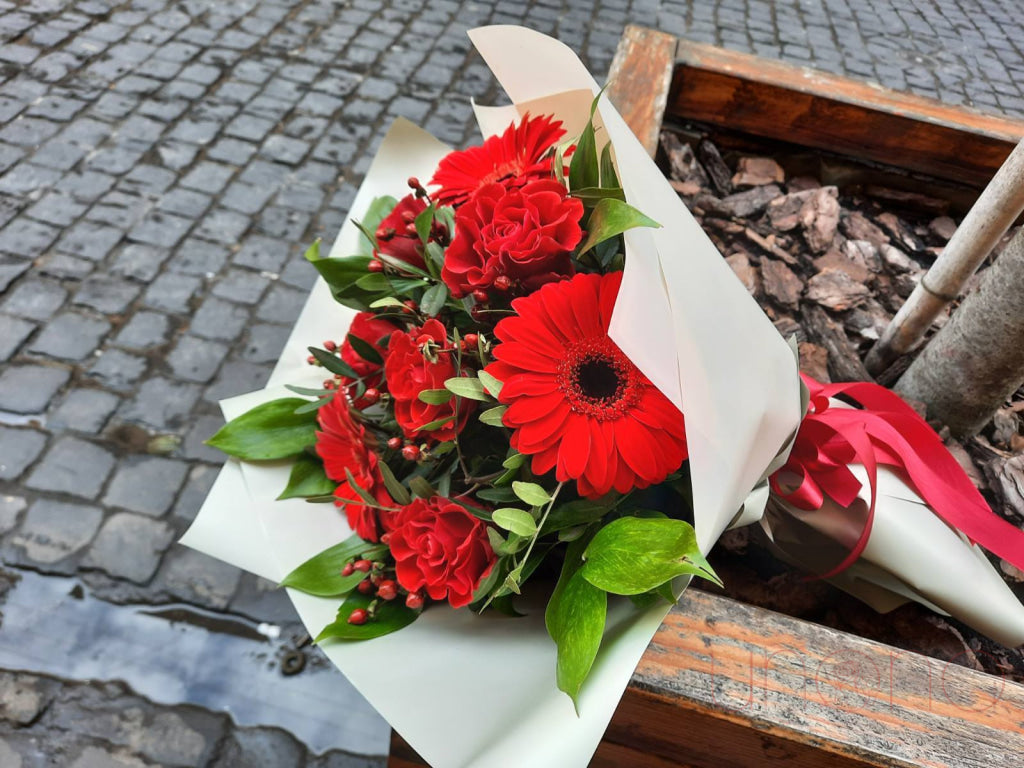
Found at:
<point>729,685</point>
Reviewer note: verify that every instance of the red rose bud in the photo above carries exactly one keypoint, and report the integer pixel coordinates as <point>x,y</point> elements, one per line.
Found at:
<point>375,266</point>
<point>387,590</point>
<point>330,346</point>
<point>395,443</point>
<point>414,600</point>
<point>348,569</point>
<point>480,296</point>
<point>411,452</point>
<point>502,283</point>
<point>371,396</point>
<point>365,587</point>
<point>362,565</point>
<point>358,616</point>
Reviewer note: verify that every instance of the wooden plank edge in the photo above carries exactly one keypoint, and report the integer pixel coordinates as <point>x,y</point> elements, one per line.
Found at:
<point>639,80</point>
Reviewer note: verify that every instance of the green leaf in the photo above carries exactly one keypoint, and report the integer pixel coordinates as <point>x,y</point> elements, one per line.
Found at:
<point>517,521</point>
<point>396,490</point>
<point>583,169</point>
<point>269,431</point>
<point>592,195</point>
<point>633,555</point>
<point>307,479</point>
<point>498,495</point>
<point>515,461</point>
<point>391,616</point>
<point>374,282</point>
<point>467,386</point>
<point>433,299</point>
<point>492,416</point>
<point>421,487</point>
<point>575,618</point>
<point>380,208</point>
<point>339,272</point>
<point>608,175</point>
<point>433,256</point>
<point>579,512</point>
<point>313,252</point>
<point>315,405</point>
<point>332,363</point>
<point>430,426</point>
<point>387,301</point>
<point>307,391</point>
<point>365,350</point>
<point>424,220</point>
<point>435,396</point>
<point>321,574</point>
<point>612,217</point>
<point>361,492</point>
<point>531,493</point>
<point>492,385</point>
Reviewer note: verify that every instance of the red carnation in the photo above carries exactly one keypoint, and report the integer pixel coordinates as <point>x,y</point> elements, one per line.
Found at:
<point>523,233</point>
<point>577,404</point>
<point>440,547</point>
<point>514,158</point>
<point>341,443</point>
<point>394,237</point>
<point>415,363</point>
<point>371,329</point>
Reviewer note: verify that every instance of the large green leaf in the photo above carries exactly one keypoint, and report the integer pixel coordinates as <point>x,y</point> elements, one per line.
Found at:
<point>579,512</point>
<point>575,619</point>
<point>269,431</point>
<point>612,217</point>
<point>307,479</point>
<point>391,616</point>
<point>633,555</point>
<point>584,168</point>
<point>339,272</point>
<point>321,574</point>
<point>433,299</point>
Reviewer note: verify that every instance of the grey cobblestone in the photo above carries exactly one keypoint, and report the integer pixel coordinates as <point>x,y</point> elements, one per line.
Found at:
<point>70,336</point>
<point>147,485</point>
<point>55,531</point>
<point>18,449</point>
<point>29,388</point>
<point>74,466</point>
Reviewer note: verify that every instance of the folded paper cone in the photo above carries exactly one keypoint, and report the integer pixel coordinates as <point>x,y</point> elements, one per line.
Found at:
<point>713,352</point>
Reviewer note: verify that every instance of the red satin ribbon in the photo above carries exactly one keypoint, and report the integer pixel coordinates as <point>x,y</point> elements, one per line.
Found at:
<point>885,430</point>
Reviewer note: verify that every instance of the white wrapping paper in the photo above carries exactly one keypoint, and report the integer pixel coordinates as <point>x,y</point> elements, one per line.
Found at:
<point>466,690</point>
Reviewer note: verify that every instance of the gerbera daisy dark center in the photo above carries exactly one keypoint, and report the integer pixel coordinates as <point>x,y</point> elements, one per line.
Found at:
<point>598,380</point>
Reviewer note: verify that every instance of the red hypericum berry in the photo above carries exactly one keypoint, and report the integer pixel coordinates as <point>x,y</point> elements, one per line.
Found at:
<point>358,616</point>
<point>470,340</point>
<point>502,282</point>
<point>312,360</point>
<point>329,384</point>
<point>413,182</point>
<point>410,305</point>
<point>480,296</point>
<point>387,590</point>
<point>371,395</point>
<point>330,346</point>
<point>362,565</point>
<point>376,579</point>
<point>411,452</point>
<point>414,600</point>
<point>385,538</point>
<point>395,443</point>
<point>375,266</point>
<point>348,569</point>
<point>410,229</point>
<point>408,217</point>
<point>365,587</point>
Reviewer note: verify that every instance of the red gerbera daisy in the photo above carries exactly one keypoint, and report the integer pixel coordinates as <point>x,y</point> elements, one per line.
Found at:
<point>341,443</point>
<point>513,158</point>
<point>577,404</point>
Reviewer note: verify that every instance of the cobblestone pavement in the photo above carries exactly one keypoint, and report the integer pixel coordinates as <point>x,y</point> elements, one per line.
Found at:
<point>163,166</point>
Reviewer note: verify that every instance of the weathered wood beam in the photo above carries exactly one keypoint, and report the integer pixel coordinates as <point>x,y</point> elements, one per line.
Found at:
<point>639,81</point>
<point>850,117</point>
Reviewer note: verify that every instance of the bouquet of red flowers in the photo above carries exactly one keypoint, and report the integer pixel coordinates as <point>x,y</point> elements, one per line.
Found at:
<point>476,423</point>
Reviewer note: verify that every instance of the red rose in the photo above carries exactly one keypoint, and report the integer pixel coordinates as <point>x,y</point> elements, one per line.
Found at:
<point>341,443</point>
<point>393,236</point>
<point>370,329</point>
<point>440,547</point>
<point>525,234</point>
<point>413,364</point>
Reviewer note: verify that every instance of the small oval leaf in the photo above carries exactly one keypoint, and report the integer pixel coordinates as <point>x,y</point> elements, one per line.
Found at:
<point>531,493</point>
<point>517,521</point>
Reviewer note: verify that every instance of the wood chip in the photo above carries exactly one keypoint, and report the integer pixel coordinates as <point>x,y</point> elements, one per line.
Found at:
<point>836,290</point>
<point>780,283</point>
<point>756,172</point>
